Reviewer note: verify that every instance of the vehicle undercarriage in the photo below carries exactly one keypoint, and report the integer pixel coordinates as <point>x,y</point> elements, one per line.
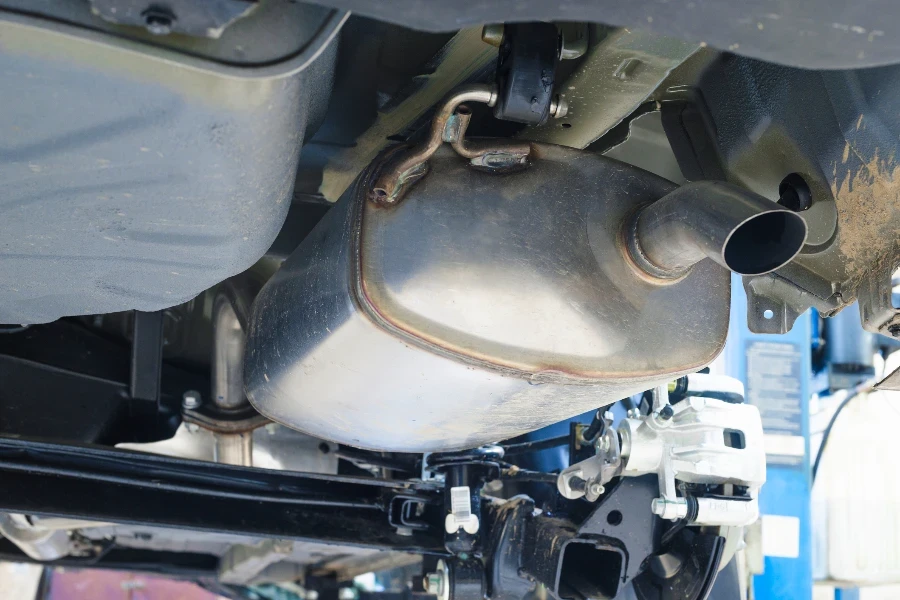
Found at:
<point>294,292</point>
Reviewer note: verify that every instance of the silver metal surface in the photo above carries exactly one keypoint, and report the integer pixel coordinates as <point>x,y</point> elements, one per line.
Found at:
<point>559,108</point>
<point>228,356</point>
<point>575,40</point>
<point>620,71</point>
<point>35,541</point>
<point>693,447</point>
<point>56,523</point>
<point>437,583</point>
<point>274,447</point>
<point>191,400</point>
<point>738,229</point>
<point>234,448</point>
<point>493,34</point>
<point>504,151</point>
<point>595,472</point>
<point>407,166</point>
<point>479,308</point>
<point>243,563</point>
<point>691,442</point>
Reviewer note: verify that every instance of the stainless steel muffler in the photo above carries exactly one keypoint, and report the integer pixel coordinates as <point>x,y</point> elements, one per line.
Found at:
<point>446,302</point>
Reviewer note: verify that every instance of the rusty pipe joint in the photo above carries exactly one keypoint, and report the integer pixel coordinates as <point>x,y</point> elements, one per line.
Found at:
<point>736,228</point>
<point>410,165</point>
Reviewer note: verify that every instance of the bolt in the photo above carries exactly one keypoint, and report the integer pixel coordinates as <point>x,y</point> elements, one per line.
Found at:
<point>191,400</point>
<point>577,484</point>
<point>669,509</point>
<point>193,428</point>
<point>558,107</point>
<point>596,489</point>
<point>158,20</point>
<point>666,412</point>
<point>492,34</point>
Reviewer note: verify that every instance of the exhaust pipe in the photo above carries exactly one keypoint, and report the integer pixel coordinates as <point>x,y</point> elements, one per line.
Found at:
<point>738,229</point>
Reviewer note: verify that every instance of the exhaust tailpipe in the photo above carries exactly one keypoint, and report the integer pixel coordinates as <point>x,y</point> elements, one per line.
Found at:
<point>738,229</point>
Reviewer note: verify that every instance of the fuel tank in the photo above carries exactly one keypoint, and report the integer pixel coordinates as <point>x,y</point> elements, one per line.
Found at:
<point>482,305</point>
<point>141,169</point>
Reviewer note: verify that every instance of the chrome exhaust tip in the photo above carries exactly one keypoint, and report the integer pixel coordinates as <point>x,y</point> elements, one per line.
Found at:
<point>740,230</point>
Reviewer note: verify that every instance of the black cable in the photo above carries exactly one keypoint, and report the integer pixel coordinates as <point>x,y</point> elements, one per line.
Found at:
<point>863,387</point>
<point>526,475</point>
<point>525,447</point>
<point>596,429</point>
<point>670,534</point>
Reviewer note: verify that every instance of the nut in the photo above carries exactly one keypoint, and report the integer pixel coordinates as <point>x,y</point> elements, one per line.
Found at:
<point>558,107</point>
<point>191,400</point>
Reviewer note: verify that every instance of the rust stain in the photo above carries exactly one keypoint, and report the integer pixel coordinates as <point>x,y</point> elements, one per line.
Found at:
<point>868,206</point>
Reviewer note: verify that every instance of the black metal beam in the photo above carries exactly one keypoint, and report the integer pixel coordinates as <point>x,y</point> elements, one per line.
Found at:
<point>143,489</point>
<point>70,383</point>
<point>174,565</point>
<point>146,361</point>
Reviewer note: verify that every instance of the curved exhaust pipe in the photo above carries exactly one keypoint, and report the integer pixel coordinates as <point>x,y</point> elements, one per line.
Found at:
<point>738,229</point>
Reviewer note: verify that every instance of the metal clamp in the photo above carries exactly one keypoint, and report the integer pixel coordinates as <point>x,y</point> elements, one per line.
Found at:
<point>449,124</point>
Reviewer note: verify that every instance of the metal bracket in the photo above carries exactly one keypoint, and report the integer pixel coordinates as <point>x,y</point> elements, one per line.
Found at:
<point>774,303</point>
<point>876,308</point>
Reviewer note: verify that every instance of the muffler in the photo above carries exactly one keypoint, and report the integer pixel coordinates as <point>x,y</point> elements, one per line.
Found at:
<point>454,298</point>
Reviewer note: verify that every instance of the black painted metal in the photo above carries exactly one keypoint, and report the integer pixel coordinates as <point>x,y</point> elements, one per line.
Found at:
<point>506,543</point>
<point>687,571</point>
<point>635,528</point>
<point>587,551</point>
<point>130,487</point>
<point>467,579</point>
<point>146,361</point>
<point>66,382</point>
<point>175,565</point>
